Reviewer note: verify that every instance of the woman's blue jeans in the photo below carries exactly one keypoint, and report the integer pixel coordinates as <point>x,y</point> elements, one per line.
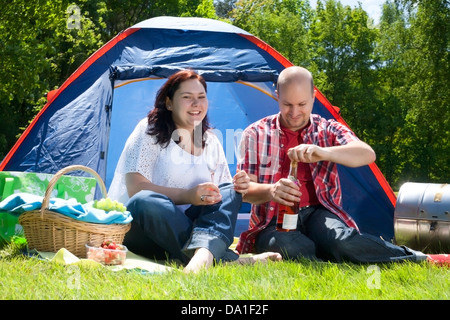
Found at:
<point>321,235</point>
<point>160,230</point>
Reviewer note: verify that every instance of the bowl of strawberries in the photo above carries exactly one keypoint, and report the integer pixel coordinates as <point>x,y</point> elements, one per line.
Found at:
<point>109,253</point>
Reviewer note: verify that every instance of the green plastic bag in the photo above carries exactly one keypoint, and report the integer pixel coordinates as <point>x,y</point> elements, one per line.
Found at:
<point>9,226</point>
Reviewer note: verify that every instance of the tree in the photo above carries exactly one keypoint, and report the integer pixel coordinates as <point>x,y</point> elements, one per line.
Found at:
<point>224,8</point>
<point>414,48</point>
<point>37,49</point>
<point>282,24</point>
<point>392,41</point>
<point>428,92</point>
<point>343,63</point>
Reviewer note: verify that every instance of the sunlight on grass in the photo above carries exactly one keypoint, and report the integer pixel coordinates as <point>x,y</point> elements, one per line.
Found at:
<point>32,278</point>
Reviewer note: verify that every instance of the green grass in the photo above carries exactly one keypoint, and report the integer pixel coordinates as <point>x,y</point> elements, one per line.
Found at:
<point>31,278</point>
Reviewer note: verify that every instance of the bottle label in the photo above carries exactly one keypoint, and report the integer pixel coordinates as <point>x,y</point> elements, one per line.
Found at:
<point>290,221</point>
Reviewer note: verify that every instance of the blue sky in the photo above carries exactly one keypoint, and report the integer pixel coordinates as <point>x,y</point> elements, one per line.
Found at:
<point>372,7</point>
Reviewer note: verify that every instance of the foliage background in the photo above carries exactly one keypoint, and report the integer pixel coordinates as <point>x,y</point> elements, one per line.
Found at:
<point>391,80</point>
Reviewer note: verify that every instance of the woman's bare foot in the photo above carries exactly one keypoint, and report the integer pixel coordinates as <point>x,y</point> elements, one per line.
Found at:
<point>202,259</point>
<point>262,257</point>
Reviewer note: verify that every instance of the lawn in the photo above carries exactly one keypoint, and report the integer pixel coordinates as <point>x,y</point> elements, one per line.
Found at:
<point>27,278</point>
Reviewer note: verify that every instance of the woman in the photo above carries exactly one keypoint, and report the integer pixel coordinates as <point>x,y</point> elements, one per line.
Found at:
<point>163,178</point>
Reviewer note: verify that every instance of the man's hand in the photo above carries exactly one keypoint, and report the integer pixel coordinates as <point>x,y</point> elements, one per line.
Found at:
<point>286,192</point>
<point>308,153</point>
<point>353,154</point>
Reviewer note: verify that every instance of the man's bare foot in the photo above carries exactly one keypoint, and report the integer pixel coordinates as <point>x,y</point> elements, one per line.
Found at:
<point>262,257</point>
<point>202,259</point>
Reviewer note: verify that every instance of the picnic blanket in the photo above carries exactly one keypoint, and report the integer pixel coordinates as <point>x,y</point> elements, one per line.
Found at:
<point>133,262</point>
<point>19,203</point>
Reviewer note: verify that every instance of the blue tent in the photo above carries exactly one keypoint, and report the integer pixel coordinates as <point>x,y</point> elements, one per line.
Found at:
<point>88,119</point>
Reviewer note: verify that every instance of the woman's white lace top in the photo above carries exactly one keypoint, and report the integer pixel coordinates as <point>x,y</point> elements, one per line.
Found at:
<point>170,166</point>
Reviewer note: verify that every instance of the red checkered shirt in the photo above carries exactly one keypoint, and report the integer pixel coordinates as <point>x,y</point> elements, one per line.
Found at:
<point>262,141</point>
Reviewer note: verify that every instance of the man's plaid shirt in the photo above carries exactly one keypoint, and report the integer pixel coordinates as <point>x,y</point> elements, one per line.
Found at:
<point>264,141</point>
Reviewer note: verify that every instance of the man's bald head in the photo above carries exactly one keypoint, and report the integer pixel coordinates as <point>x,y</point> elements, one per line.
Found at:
<point>297,75</point>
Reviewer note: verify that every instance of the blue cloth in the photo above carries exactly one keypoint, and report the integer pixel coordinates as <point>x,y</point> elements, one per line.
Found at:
<point>18,203</point>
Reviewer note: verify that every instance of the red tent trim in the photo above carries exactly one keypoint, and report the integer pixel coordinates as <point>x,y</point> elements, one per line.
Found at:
<point>264,46</point>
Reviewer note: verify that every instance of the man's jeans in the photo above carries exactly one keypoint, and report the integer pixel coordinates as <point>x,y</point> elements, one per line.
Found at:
<point>160,230</point>
<point>321,235</point>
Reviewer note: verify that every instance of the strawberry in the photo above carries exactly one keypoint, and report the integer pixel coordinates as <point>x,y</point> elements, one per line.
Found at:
<point>105,244</point>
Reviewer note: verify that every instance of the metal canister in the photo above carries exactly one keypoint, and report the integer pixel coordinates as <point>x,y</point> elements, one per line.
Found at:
<point>422,217</point>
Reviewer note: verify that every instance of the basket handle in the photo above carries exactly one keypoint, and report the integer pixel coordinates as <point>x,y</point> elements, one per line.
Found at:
<point>63,171</point>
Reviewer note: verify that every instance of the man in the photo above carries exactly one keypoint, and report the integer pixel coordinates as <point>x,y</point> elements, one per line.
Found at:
<point>324,230</point>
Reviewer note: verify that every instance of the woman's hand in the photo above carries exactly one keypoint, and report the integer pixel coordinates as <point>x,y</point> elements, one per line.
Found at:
<point>241,182</point>
<point>205,194</point>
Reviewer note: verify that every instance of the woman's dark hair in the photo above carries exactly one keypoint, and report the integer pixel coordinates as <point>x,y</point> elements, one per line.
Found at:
<point>160,120</point>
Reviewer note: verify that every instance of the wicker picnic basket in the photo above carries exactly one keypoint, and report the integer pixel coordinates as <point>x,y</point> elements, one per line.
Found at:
<point>49,231</point>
